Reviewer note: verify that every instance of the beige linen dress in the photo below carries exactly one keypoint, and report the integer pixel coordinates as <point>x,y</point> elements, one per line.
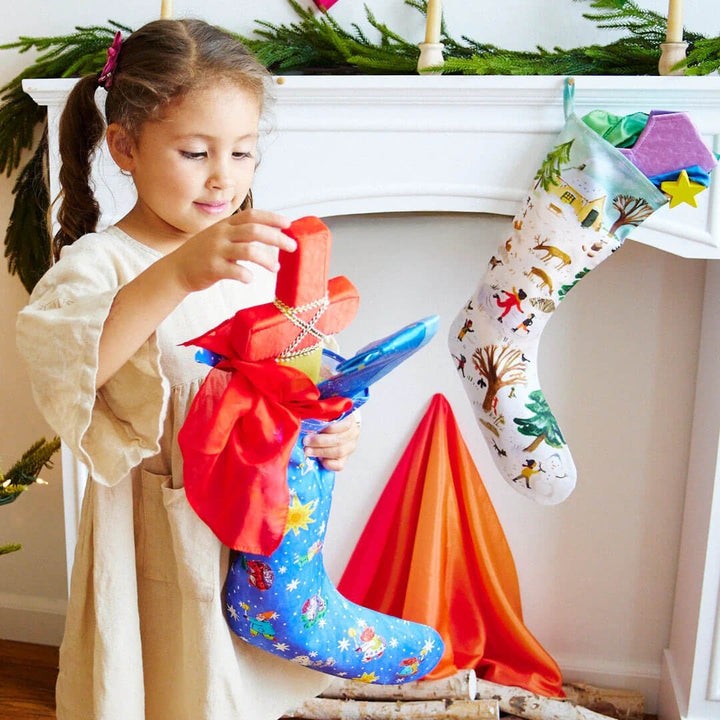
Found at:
<point>145,634</point>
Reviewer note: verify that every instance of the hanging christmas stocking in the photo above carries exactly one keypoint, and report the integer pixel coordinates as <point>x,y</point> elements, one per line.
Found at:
<point>587,197</point>
<point>247,477</point>
<point>286,604</point>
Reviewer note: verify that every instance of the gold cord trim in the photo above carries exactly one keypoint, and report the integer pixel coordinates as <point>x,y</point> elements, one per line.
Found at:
<point>307,327</point>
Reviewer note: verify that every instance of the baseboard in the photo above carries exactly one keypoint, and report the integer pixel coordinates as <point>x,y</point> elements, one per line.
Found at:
<point>643,677</point>
<point>671,698</point>
<point>31,618</point>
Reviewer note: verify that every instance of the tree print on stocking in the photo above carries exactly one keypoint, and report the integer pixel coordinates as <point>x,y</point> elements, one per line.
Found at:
<point>542,426</point>
<point>500,366</point>
<point>549,172</point>
<point>586,198</point>
<point>632,211</point>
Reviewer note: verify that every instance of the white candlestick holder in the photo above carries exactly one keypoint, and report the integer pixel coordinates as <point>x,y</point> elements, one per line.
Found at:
<point>671,54</point>
<point>431,56</point>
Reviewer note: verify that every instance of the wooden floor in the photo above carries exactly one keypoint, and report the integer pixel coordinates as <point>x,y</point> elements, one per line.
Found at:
<point>27,681</point>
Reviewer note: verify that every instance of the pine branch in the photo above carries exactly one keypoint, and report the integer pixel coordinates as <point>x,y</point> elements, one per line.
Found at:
<point>318,41</point>
<point>29,220</point>
<point>626,15</point>
<point>704,57</point>
<point>63,56</point>
<point>23,474</point>
<point>9,548</point>
<point>620,58</point>
<point>27,238</point>
<point>38,456</point>
<point>645,24</point>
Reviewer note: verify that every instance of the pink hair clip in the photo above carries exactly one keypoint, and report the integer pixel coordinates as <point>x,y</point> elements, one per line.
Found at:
<point>105,77</point>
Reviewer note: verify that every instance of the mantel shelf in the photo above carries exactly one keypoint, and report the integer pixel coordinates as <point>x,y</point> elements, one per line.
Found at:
<point>443,144</point>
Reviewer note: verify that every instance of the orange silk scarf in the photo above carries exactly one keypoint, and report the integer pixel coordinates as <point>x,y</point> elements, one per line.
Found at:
<point>433,551</point>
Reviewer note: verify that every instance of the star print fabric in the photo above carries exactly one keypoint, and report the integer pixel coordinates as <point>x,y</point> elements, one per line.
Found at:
<point>286,604</point>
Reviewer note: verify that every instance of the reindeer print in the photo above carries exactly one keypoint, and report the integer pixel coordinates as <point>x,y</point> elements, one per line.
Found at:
<point>545,279</point>
<point>550,252</point>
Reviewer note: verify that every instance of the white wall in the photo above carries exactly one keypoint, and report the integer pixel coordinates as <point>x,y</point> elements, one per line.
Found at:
<point>597,572</point>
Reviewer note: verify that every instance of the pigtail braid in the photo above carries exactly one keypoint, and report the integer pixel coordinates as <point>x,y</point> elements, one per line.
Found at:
<point>81,129</point>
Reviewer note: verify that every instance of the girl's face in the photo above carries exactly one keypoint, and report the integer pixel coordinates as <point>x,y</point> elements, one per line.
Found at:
<point>195,165</point>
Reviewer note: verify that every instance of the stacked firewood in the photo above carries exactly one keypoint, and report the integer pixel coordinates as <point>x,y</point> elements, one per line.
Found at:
<point>463,696</point>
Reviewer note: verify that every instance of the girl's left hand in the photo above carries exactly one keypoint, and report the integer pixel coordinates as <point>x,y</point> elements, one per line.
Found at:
<point>334,445</point>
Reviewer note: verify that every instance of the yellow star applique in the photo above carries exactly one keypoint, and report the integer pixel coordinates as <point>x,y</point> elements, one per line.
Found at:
<point>299,516</point>
<point>682,190</point>
<point>367,677</point>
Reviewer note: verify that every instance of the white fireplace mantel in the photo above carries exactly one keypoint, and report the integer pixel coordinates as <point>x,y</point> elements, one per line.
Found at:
<point>361,144</point>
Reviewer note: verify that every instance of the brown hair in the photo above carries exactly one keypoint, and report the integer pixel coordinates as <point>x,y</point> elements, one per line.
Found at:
<point>158,64</point>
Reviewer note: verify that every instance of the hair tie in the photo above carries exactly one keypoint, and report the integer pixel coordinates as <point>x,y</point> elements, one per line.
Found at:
<point>105,78</point>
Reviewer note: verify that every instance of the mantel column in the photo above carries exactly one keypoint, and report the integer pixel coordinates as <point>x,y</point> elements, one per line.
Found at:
<point>690,682</point>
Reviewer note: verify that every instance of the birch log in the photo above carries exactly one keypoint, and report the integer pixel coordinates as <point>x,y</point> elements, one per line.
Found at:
<point>335,709</point>
<point>460,686</point>
<point>525,704</point>
<point>614,702</point>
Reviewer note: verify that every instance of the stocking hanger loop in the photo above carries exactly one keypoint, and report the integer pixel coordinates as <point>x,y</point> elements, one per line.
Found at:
<point>569,97</point>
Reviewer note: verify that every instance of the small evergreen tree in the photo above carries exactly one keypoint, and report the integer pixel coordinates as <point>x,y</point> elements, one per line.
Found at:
<point>549,172</point>
<point>541,425</point>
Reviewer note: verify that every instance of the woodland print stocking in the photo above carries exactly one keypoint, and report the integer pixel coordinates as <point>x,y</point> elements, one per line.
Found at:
<point>586,199</point>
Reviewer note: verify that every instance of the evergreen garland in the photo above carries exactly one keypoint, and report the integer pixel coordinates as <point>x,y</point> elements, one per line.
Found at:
<point>10,547</point>
<point>29,260</point>
<point>62,56</point>
<point>318,43</point>
<point>624,57</point>
<point>27,239</point>
<point>314,43</point>
<point>704,57</point>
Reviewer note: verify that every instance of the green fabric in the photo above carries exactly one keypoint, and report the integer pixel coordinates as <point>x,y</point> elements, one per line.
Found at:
<point>618,130</point>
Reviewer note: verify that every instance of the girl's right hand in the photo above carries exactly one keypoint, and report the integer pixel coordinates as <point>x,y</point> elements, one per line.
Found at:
<point>140,306</point>
<point>217,253</point>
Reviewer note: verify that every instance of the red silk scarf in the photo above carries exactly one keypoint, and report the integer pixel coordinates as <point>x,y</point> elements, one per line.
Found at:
<point>236,443</point>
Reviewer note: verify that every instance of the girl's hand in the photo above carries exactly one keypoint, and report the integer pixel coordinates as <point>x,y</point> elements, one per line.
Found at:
<point>334,445</point>
<point>249,236</point>
<point>199,262</point>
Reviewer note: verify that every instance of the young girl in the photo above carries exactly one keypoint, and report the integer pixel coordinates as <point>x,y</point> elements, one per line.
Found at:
<point>145,634</point>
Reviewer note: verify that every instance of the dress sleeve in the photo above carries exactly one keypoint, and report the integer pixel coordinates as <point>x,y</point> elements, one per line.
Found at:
<point>58,335</point>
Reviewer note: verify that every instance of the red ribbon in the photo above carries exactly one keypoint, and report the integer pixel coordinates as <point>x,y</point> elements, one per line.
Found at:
<point>236,443</point>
